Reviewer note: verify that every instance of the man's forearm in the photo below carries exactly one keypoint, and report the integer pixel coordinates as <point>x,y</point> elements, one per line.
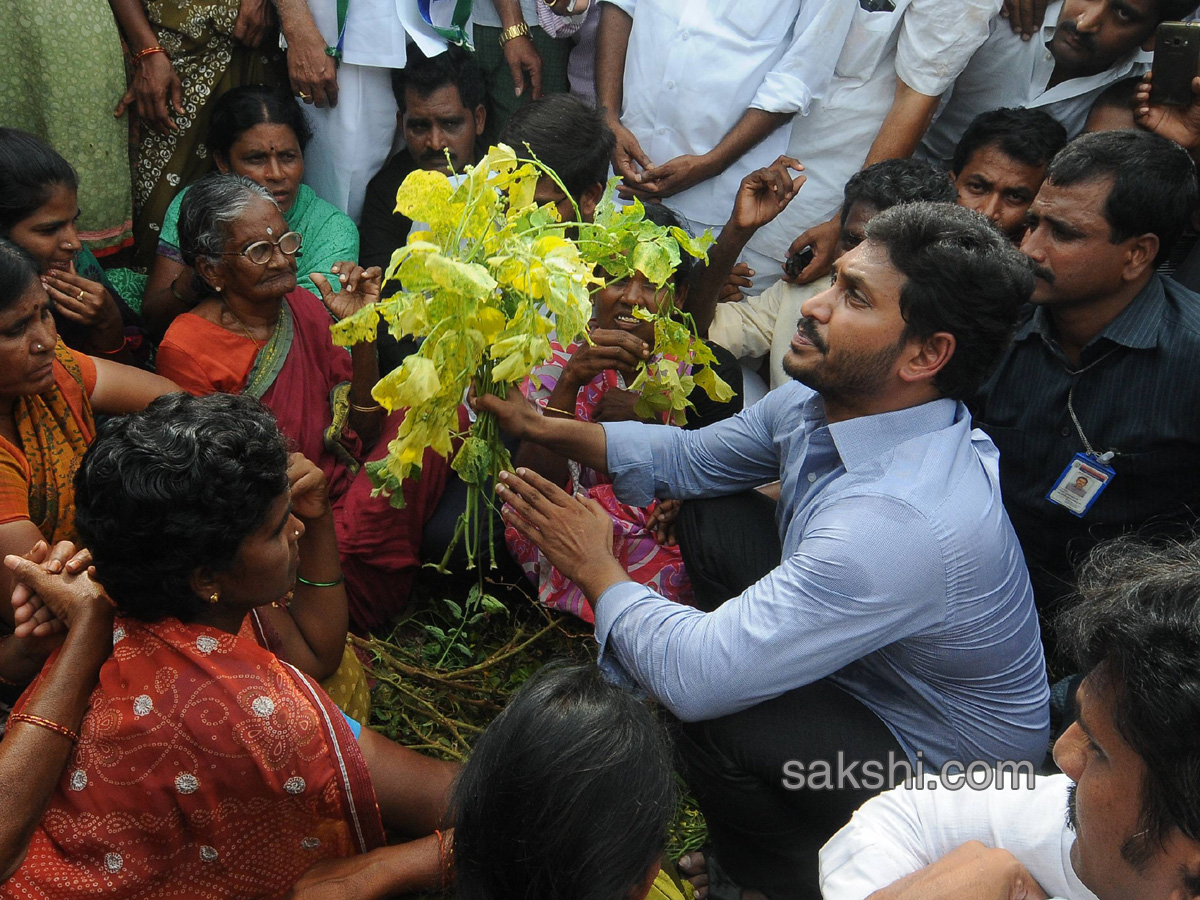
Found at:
<point>750,129</point>
<point>904,126</point>
<point>612,42</point>
<point>296,20</point>
<point>584,442</point>
<point>706,284</point>
<point>509,12</point>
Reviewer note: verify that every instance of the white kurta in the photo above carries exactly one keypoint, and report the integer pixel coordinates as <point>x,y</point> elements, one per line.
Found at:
<point>924,42</point>
<point>353,140</point>
<point>693,68</point>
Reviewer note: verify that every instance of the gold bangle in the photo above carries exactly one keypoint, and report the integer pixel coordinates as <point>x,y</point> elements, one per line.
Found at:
<point>513,31</point>
<point>66,732</point>
<point>561,412</point>
<point>366,409</point>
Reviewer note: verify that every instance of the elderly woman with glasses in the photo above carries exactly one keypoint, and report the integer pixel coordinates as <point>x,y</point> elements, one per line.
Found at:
<point>255,332</point>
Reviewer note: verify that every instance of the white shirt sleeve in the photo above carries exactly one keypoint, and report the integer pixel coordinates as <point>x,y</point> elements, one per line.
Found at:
<point>804,71</point>
<point>905,829</point>
<point>938,39</point>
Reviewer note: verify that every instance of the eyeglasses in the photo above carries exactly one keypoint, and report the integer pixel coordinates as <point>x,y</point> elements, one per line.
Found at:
<point>260,252</point>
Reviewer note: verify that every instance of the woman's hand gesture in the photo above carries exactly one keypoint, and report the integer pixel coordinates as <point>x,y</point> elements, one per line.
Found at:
<point>359,287</point>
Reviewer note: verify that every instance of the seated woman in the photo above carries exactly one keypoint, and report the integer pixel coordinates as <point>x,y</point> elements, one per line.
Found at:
<point>48,395</point>
<point>567,796</point>
<point>38,209</point>
<point>588,381</point>
<point>204,763</point>
<point>258,333</point>
<point>260,133</point>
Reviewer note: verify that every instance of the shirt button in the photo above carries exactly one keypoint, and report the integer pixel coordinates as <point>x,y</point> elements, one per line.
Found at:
<point>812,476</point>
<point>670,85</point>
<point>1065,431</point>
<point>683,35</point>
<point>662,131</point>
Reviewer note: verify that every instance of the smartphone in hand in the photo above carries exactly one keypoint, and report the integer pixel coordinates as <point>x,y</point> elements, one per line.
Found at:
<point>1176,63</point>
<point>798,262</point>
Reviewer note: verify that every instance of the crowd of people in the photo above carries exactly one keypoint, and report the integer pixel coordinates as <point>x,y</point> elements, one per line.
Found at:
<point>945,522</point>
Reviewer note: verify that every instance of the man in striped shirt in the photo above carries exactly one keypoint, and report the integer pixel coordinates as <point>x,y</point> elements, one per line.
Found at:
<point>1103,372</point>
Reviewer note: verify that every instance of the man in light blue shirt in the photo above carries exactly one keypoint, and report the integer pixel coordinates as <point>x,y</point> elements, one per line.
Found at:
<point>900,622</point>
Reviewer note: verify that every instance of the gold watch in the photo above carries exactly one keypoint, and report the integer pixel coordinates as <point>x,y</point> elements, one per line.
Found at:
<point>513,31</point>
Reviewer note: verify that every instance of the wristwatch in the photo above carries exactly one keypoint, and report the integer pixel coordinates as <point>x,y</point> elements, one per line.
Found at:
<point>513,31</point>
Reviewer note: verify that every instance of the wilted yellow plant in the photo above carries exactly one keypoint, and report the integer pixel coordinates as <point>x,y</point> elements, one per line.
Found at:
<point>485,278</point>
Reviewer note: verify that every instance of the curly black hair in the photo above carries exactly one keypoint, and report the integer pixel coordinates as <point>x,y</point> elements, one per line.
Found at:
<point>172,489</point>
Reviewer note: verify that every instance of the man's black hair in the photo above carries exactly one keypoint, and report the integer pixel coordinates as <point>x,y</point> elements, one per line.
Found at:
<point>426,74</point>
<point>963,277</point>
<point>1029,136</point>
<point>1135,625</point>
<point>1154,186</point>
<point>894,181</point>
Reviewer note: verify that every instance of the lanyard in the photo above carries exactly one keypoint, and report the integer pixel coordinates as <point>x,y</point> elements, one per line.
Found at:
<point>1087,445</point>
<point>456,33</point>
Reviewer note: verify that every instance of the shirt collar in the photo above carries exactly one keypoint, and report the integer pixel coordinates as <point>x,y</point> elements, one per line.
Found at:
<point>1136,326</point>
<point>866,438</point>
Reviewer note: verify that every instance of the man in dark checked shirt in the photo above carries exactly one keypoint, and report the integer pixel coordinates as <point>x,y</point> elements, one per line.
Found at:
<point>1104,375</point>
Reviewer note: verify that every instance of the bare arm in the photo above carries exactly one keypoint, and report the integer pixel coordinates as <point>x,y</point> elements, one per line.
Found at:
<point>762,195</point>
<point>683,172</point>
<point>359,288</point>
<point>904,126</point>
<point>612,42</point>
<point>123,389</point>
<point>385,872</point>
<point>520,53</point>
<point>32,757</point>
<point>156,91</point>
<point>313,627</point>
<point>160,306</point>
<point>311,71</point>
<point>582,441</point>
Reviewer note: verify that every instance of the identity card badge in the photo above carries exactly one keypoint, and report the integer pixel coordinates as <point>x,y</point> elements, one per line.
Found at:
<point>1080,484</point>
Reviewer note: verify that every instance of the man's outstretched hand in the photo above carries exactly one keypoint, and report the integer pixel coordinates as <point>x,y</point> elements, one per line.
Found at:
<point>575,533</point>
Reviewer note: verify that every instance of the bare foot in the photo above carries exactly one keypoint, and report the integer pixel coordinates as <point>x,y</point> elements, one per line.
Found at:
<point>694,869</point>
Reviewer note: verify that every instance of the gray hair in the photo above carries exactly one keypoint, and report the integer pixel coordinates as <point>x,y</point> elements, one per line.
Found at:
<point>209,209</point>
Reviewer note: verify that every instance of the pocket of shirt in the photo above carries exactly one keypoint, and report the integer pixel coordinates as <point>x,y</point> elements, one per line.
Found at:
<point>871,36</point>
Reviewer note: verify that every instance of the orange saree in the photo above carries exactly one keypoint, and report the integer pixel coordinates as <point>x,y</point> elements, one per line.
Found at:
<point>206,768</point>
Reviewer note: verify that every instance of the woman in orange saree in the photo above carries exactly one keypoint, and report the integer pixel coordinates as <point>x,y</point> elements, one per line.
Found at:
<point>205,766</point>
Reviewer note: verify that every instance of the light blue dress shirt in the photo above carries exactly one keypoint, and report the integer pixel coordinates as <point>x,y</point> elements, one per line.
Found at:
<point>902,581</point>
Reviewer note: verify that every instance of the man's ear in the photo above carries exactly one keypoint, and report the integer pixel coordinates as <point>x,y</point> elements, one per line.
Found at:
<point>588,200</point>
<point>480,115</point>
<point>1140,256</point>
<point>928,358</point>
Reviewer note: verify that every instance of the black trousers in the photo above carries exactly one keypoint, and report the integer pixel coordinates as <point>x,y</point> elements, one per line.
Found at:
<point>766,834</point>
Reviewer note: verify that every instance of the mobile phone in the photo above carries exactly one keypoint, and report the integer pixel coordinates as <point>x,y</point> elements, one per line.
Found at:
<point>798,262</point>
<point>1176,63</point>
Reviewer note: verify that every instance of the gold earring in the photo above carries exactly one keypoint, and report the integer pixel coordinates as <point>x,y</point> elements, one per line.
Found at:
<point>214,597</point>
